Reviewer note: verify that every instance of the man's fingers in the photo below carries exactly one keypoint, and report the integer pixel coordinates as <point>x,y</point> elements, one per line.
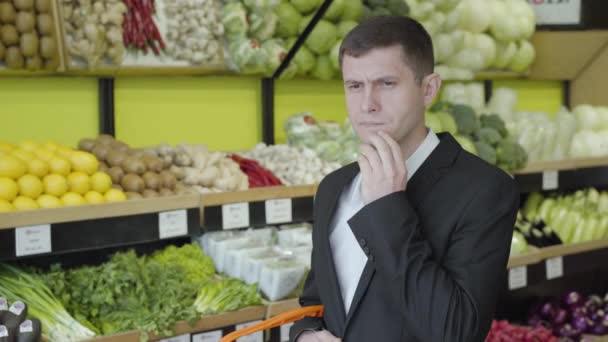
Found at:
<point>386,156</point>
<point>396,150</point>
<point>364,165</point>
<point>372,157</point>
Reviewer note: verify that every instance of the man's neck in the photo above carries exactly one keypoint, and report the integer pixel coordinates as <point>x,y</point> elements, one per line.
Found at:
<point>410,144</point>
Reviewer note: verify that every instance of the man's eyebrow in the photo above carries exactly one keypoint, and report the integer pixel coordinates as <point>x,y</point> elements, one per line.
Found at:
<point>386,78</point>
<point>351,81</point>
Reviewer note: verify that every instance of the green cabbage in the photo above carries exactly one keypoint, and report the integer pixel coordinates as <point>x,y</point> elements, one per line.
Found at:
<point>504,54</point>
<point>261,6</point>
<point>234,19</point>
<point>304,22</point>
<point>323,69</point>
<point>305,60</point>
<point>353,10</point>
<point>306,6</point>
<point>289,19</point>
<point>524,57</point>
<point>475,15</point>
<point>335,10</point>
<point>344,27</point>
<point>322,37</point>
<point>276,52</point>
<point>248,56</point>
<point>263,26</point>
<point>334,56</point>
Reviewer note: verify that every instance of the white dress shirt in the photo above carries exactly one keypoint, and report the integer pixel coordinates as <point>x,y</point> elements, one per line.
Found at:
<point>348,256</point>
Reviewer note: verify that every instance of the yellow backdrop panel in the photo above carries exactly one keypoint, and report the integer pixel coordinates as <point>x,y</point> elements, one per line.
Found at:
<point>48,109</point>
<point>541,96</point>
<point>222,112</point>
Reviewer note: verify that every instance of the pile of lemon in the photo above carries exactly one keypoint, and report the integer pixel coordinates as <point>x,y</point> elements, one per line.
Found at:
<point>49,175</point>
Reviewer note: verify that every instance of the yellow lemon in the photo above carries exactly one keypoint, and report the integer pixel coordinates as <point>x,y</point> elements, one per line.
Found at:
<point>6,206</point>
<point>49,201</point>
<point>55,185</point>
<point>12,167</point>
<point>64,152</point>
<point>101,182</point>
<point>44,154</point>
<point>29,145</point>
<point>94,197</point>
<point>23,154</point>
<point>60,166</point>
<point>79,182</point>
<point>30,186</point>
<point>72,199</point>
<point>84,162</point>
<point>6,147</point>
<point>115,195</point>
<point>24,203</point>
<point>37,168</point>
<point>51,146</point>
<point>8,189</point>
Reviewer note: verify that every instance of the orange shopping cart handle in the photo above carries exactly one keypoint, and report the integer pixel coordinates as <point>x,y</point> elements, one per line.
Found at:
<point>276,321</point>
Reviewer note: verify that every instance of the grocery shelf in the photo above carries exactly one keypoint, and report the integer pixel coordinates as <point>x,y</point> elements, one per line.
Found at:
<point>567,174</point>
<point>563,165</point>
<point>215,324</point>
<point>251,208</point>
<point>91,227</point>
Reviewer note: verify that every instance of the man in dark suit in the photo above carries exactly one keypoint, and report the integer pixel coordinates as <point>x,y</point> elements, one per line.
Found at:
<point>411,242</point>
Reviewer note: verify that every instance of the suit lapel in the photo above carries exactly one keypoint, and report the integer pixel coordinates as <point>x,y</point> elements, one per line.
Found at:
<point>328,208</point>
<point>418,187</point>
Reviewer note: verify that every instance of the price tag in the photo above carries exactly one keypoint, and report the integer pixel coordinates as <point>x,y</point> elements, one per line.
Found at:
<point>278,211</point>
<point>255,337</point>
<point>33,240</point>
<point>285,332</point>
<point>180,338</point>
<point>209,336</point>
<point>3,331</point>
<point>26,327</point>
<point>557,12</point>
<point>3,304</point>
<point>550,180</point>
<point>235,215</point>
<point>555,267</point>
<point>518,277</point>
<point>172,223</point>
<point>17,308</point>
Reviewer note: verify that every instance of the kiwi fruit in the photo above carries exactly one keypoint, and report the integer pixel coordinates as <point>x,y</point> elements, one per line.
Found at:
<point>48,48</point>
<point>51,64</point>
<point>133,195</point>
<point>29,44</point>
<point>152,180</point>
<point>116,173</point>
<point>132,182</point>
<point>25,22</point>
<point>2,50</point>
<point>103,167</point>
<point>100,151</point>
<point>105,139</point>
<point>153,164</point>
<point>33,63</point>
<point>87,144</point>
<point>44,24</point>
<point>9,35</point>
<point>165,192</point>
<point>7,13</point>
<point>120,146</point>
<point>43,6</point>
<point>117,187</point>
<point>14,58</point>
<point>116,158</point>
<point>134,165</point>
<point>168,180</point>
<point>24,5</point>
<point>149,193</point>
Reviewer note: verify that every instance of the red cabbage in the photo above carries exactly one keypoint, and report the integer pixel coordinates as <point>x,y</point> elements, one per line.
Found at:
<point>573,298</point>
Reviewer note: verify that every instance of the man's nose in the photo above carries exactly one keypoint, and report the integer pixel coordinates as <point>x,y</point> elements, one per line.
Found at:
<point>370,103</point>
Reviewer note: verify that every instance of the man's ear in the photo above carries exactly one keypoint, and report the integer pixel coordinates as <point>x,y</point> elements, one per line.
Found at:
<point>430,86</point>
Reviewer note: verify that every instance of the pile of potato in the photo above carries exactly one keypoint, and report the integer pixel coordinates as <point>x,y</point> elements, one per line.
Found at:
<point>27,35</point>
<point>135,171</point>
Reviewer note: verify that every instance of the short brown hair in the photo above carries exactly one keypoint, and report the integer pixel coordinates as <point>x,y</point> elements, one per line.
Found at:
<point>389,30</point>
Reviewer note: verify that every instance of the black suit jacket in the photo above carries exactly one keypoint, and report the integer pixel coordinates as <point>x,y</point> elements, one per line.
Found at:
<point>437,253</point>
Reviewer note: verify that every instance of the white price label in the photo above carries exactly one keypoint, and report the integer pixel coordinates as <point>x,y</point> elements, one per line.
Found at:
<point>209,336</point>
<point>3,304</point>
<point>278,211</point>
<point>285,332</point>
<point>557,12</point>
<point>17,308</point>
<point>33,240</point>
<point>26,327</point>
<point>550,180</point>
<point>3,331</point>
<point>235,215</point>
<point>555,267</point>
<point>518,277</point>
<point>172,223</point>
<point>255,337</point>
<point>180,338</point>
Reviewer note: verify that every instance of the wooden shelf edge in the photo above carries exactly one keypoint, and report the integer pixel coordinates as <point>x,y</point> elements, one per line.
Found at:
<point>258,194</point>
<point>562,165</point>
<point>97,211</point>
<point>277,308</point>
<point>529,258</point>
<point>565,250</point>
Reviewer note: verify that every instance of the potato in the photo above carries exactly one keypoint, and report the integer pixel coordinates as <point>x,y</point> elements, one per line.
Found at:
<point>48,49</point>
<point>29,44</point>
<point>9,35</point>
<point>7,13</point>
<point>24,5</point>
<point>25,22</point>
<point>33,63</point>
<point>2,50</point>
<point>13,58</point>
<point>44,24</point>
<point>51,64</point>
<point>43,6</point>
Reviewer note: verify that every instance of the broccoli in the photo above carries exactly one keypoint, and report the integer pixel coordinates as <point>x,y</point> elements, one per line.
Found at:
<point>488,135</point>
<point>494,121</point>
<point>465,118</point>
<point>398,7</point>
<point>441,106</point>
<point>510,155</point>
<point>486,152</point>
